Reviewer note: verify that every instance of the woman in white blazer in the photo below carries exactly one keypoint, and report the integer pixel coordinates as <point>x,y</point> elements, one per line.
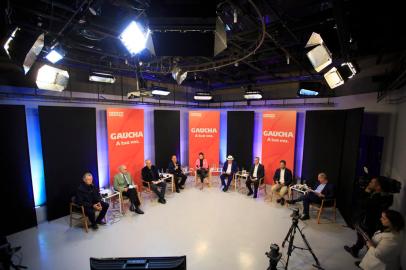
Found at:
<point>385,246</point>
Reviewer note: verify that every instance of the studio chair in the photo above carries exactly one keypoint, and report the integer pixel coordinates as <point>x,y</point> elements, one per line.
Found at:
<point>329,203</point>
<point>77,213</point>
<point>146,188</point>
<point>206,179</point>
<point>262,186</point>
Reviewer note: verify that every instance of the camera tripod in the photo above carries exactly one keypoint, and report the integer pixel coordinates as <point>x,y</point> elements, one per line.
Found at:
<point>291,236</point>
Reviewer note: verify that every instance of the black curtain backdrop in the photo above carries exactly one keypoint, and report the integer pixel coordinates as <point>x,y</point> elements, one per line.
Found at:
<point>167,137</point>
<point>331,145</point>
<point>17,198</point>
<point>69,149</point>
<point>240,136</point>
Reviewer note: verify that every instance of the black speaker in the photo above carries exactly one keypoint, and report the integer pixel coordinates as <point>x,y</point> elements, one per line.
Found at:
<point>185,28</point>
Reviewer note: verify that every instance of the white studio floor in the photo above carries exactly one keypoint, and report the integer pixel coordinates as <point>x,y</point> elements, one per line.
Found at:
<point>215,230</point>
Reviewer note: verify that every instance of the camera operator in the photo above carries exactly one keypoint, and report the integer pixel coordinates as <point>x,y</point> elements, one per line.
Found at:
<point>372,201</point>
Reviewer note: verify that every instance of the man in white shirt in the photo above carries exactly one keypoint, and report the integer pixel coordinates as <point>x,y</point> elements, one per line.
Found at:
<point>257,174</point>
<point>282,179</point>
<point>229,169</point>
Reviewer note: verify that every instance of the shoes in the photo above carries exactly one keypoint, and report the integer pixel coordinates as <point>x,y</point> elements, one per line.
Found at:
<point>182,187</point>
<point>225,189</point>
<point>279,200</point>
<point>304,217</point>
<point>101,222</point>
<point>138,211</point>
<point>351,251</point>
<point>255,196</point>
<point>94,226</point>
<point>250,193</point>
<point>177,191</point>
<point>162,201</point>
<point>282,201</point>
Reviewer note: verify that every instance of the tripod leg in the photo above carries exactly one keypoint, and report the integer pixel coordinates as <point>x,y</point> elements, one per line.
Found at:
<point>309,248</point>
<point>287,236</point>
<point>290,247</point>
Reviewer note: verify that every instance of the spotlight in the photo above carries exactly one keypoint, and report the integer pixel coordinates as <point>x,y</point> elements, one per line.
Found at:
<point>203,96</point>
<point>178,75</point>
<point>55,55</point>
<point>160,91</point>
<point>347,70</point>
<point>102,77</point>
<point>319,55</point>
<point>51,78</point>
<point>333,78</point>
<point>32,55</point>
<point>253,94</point>
<point>134,37</point>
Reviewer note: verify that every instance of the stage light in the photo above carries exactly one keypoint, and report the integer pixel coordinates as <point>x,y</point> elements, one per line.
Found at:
<point>307,93</point>
<point>9,40</point>
<point>319,55</point>
<point>160,91</point>
<point>347,70</point>
<point>55,55</point>
<point>51,78</point>
<point>253,94</point>
<point>203,96</point>
<point>33,53</point>
<point>178,75</point>
<point>134,37</point>
<point>102,77</point>
<point>333,78</point>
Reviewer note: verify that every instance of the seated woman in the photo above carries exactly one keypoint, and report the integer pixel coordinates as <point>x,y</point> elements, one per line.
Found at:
<point>202,168</point>
<point>385,246</point>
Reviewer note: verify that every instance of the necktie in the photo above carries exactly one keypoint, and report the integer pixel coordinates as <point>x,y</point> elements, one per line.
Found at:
<point>125,178</point>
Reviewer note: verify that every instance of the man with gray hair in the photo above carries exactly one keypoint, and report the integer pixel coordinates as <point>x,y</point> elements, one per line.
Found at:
<point>89,197</point>
<point>124,183</point>
<point>150,174</point>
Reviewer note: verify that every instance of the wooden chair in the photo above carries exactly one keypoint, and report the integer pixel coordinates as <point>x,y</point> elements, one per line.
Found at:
<point>208,177</point>
<point>146,188</point>
<point>77,213</point>
<point>325,203</point>
<point>262,185</point>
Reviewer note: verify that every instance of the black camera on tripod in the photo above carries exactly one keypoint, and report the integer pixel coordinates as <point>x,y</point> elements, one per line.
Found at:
<point>274,256</point>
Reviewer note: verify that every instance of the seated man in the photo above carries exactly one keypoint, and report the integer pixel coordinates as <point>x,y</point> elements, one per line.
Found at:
<point>282,179</point>
<point>257,172</point>
<point>324,190</point>
<point>123,183</point>
<point>89,197</point>
<point>229,169</point>
<point>150,174</point>
<point>175,169</point>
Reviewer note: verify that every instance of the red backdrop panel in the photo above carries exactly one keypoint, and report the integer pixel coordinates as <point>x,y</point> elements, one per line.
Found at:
<point>204,136</point>
<point>125,129</point>
<point>278,140</point>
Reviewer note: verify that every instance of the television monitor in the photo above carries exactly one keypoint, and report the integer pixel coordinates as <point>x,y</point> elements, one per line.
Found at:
<point>157,263</point>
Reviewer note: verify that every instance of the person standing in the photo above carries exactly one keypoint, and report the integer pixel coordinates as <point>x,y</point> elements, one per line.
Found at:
<point>124,183</point>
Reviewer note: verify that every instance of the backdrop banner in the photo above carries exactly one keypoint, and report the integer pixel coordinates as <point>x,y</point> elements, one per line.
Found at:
<point>125,129</point>
<point>278,141</point>
<point>204,136</point>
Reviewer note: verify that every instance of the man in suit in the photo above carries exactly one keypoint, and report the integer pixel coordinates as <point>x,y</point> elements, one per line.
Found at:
<point>324,190</point>
<point>150,174</point>
<point>89,197</point>
<point>282,179</point>
<point>124,183</point>
<point>229,169</point>
<point>257,173</point>
<point>175,169</point>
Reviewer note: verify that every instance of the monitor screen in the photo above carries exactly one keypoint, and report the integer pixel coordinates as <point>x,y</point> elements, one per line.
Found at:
<point>158,263</point>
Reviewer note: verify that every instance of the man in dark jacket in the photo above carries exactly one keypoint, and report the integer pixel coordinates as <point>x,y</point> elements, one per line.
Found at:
<point>282,179</point>
<point>257,174</point>
<point>89,197</point>
<point>372,201</point>
<point>229,169</point>
<point>175,169</point>
<point>150,174</point>
<point>324,190</point>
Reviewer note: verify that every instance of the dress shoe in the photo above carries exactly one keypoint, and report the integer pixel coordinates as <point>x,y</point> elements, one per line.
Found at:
<point>351,251</point>
<point>164,200</point>
<point>250,193</point>
<point>225,189</point>
<point>94,226</point>
<point>138,211</point>
<point>101,222</point>
<point>255,196</point>
<point>304,217</point>
<point>161,201</point>
<point>279,200</point>
<point>282,201</point>
<point>177,191</point>
<point>182,187</point>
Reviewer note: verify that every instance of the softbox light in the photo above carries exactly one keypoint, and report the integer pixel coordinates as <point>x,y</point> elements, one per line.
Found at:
<point>319,55</point>
<point>51,78</point>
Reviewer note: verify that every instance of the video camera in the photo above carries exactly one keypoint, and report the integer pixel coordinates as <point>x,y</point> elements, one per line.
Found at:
<point>274,256</point>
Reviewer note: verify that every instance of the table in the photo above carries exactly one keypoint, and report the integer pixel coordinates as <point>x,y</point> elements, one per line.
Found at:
<point>110,196</point>
<point>239,177</point>
<point>298,189</point>
<point>166,176</point>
